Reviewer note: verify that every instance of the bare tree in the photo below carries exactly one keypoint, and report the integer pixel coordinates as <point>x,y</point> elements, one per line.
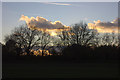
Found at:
<point>45,40</point>
<point>64,37</point>
<point>109,39</point>
<point>82,35</point>
<point>27,39</point>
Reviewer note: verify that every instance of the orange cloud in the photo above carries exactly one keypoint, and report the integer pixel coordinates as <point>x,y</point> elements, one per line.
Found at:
<point>42,24</point>
<point>105,27</point>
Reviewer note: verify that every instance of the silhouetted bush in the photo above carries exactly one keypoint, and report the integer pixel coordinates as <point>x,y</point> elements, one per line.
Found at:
<point>106,52</point>
<point>10,49</point>
<point>77,52</point>
<point>53,52</point>
<point>82,52</point>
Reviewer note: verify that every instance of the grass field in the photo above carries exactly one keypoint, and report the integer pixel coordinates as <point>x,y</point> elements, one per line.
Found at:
<point>60,70</point>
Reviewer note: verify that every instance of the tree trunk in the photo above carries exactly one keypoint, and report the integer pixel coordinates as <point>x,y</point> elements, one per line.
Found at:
<point>43,49</point>
<point>77,39</point>
<point>42,52</point>
<point>28,52</point>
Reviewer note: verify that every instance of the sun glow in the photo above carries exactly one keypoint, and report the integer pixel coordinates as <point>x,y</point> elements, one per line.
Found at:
<point>39,52</point>
<point>53,34</point>
<point>102,29</point>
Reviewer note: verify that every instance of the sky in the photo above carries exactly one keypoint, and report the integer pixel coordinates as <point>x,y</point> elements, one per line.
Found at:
<point>67,13</point>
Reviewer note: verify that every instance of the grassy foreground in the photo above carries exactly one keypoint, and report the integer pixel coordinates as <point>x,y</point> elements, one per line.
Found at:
<point>30,68</point>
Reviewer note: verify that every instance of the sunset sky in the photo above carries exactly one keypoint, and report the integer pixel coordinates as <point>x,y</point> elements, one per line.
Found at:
<point>63,13</point>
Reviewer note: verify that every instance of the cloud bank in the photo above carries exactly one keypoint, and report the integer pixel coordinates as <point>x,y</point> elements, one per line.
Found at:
<point>105,27</point>
<point>53,28</point>
<point>40,23</point>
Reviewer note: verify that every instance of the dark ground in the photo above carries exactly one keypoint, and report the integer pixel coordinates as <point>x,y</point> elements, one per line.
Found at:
<point>57,67</point>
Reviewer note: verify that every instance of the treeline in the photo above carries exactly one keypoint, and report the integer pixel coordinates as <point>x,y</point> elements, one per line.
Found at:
<point>77,42</point>
<point>78,52</point>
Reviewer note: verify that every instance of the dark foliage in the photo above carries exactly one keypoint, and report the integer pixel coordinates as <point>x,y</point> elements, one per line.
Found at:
<point>10,49</point>
<point>86,53</point>
<point>76,51</point>
<point>107,52</point>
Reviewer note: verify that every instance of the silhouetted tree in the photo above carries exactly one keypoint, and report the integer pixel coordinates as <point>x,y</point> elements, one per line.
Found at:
<point>64,37</point>
<point>108,39</point>
<point>10,48</point>
<point>45,39</point>
<point>10,45</point>
<point>26,38</point>
<point>82,35</point>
